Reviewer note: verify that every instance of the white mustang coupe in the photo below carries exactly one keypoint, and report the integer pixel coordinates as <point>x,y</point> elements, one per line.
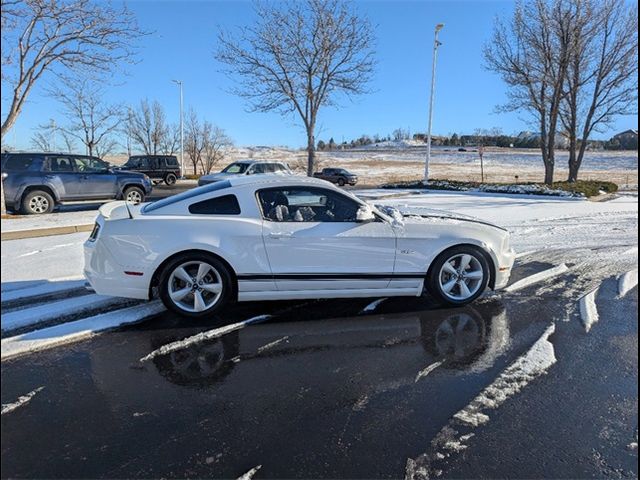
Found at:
<point>274,238</point>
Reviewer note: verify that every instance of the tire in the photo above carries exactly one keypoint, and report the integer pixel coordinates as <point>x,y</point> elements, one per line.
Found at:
<point>451,285</point>
<point>37,202</point>
<point>134,195</point>
<point>189,298</point>
<point>341,182</point>
<point>170,179</point>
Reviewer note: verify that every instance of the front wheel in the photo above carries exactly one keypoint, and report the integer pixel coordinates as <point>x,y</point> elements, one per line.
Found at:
<point>134,195</point>
<point>459,275</point>
<point>37,202</point>
<point>195,285</point>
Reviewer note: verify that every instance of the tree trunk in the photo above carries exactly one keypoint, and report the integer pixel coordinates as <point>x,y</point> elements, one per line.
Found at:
<point>576,163</point>
<point>573,169</point>
<point>311,153</point>
<point>548,172</point>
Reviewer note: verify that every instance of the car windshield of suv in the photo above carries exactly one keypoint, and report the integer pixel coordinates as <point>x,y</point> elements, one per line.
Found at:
<point>133,163</point>
<point>236,168</point>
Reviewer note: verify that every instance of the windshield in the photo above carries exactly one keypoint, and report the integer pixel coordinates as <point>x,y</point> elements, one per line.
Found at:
<point>236,168</point>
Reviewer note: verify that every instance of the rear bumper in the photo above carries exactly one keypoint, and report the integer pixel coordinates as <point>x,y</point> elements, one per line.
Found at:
<point>107,277</point>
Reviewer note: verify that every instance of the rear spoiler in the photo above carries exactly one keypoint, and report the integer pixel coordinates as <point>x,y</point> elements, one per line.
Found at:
<point>117,210</point>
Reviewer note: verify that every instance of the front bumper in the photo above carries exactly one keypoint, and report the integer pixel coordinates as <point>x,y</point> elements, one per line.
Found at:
<point>506,259</point>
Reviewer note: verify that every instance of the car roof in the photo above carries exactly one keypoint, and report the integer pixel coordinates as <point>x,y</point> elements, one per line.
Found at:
<point>258,161</point>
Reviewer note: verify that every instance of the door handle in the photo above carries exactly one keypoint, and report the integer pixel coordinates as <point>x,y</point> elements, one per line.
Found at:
<point>280,234</point>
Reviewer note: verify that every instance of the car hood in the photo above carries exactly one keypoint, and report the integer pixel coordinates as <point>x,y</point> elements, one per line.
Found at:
<point>423,214</point>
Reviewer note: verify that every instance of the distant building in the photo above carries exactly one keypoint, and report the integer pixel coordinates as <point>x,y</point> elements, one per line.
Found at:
<point>627,140</point>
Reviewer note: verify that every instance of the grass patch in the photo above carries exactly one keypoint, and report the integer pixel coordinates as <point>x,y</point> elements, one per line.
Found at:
<point>581,188</point>
<point>191,176</point>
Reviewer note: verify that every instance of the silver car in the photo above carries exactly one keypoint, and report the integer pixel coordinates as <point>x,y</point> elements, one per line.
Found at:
<point>246,167</point>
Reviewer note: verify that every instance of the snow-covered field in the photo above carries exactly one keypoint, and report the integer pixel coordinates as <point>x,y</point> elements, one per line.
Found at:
<point>591,240</point>
<point>396,161</point>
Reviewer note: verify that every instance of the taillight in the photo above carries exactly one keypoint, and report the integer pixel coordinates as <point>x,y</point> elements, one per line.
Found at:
<point>94,232</point>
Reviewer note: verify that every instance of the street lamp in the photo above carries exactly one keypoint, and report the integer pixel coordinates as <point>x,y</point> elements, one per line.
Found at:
<point>436,44</point>
<point>179,83</point>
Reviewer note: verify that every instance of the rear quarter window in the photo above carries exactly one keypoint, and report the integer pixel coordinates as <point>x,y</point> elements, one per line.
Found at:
<point>225,205</point>
<point>18,163</point>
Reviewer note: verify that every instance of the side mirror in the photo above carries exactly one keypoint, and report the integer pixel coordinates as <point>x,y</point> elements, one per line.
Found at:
<point>365,214</point>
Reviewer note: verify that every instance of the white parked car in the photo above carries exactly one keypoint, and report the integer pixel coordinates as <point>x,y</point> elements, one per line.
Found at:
<point>272,237</point>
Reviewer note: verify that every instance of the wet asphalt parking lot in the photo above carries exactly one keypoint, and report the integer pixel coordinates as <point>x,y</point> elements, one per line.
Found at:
<point>331,389</point>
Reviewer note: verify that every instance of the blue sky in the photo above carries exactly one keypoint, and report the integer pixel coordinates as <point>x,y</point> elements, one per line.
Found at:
<point>184,40</point>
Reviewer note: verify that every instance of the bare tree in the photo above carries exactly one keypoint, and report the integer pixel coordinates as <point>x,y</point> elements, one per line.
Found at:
<point>148,129</point>
<point>531,53</point>
<point>300,56</point>
<point>92,121</point>
<point>40,36</point>
<point>170,141</point>
<point>194,142</point>
<point>43,137</point>
<point>602,78</point>
<point>215,141</point>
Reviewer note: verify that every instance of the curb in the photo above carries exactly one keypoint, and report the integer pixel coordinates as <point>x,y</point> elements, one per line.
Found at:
<point>45,232</point>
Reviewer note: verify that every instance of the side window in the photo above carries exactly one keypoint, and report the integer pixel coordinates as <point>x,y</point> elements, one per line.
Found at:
<point>306,205</point>
<point>225,205</point>
<point>60,164</point>
<point>260,168</point>
<point>17,163</point>
<point>89,165</point>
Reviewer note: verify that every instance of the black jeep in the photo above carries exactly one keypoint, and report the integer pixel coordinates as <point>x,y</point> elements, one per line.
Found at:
<point>160,168</point>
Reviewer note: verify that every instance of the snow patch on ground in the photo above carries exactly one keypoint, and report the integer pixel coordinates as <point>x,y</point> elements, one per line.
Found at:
<point>535,362</point>
<point>426,371</point>
<point>249,475</point>
<point>51,311</point>
<point>203,337</point>
<point>39,289</point>
<point>538,277</point>
<point>373,305</point>
<point>627,282</point>
<point>74,331</point>
<point>589,310</point>
<point>22,400</point>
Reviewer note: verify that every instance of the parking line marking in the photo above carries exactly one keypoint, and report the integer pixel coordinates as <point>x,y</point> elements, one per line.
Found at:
<point>203,336</point>
<point>537,277</point>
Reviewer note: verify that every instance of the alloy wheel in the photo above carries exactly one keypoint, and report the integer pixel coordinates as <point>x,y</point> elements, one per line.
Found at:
<point>39,204</point>
<point>195,286</point>
<point>461,277</point>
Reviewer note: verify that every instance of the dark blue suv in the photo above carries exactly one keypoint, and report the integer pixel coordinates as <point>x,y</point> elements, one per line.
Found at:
<point>35,182</point>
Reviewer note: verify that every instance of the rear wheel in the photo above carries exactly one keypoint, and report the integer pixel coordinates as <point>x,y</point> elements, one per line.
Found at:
<point>195,285</point>
<point>341,182</point>
<point>170,179</point>
<point>459,275</point>
<point>134,195</point>
<point>37,202</point>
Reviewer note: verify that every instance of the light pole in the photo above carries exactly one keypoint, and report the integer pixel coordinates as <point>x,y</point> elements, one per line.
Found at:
<point>179,83</point>
<point>436,44</point>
